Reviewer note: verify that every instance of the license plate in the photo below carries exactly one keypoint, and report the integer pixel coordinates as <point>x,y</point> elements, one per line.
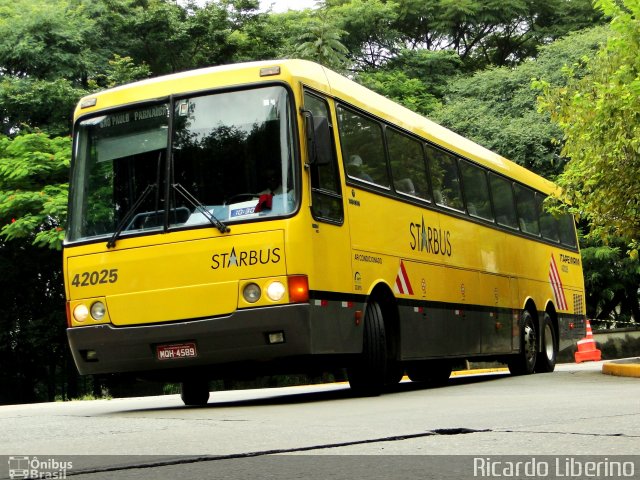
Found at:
<point>175,351</point>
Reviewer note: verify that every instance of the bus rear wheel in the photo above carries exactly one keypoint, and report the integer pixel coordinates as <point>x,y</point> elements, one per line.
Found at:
<point>524,362</point>
<point>546,359</point>
<point>369,373</point>
<point>195,392</point>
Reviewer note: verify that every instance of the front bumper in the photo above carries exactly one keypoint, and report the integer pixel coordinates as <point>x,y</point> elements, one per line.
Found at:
<point>239,337</point>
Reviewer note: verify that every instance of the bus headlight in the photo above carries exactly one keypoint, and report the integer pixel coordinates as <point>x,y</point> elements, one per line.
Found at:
<point>251,293</point>
<point>80,313</point>
<point>98,311</point>
<point>275,291</point>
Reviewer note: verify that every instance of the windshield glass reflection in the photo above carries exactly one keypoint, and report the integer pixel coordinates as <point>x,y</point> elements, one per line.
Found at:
<point>231,153</point>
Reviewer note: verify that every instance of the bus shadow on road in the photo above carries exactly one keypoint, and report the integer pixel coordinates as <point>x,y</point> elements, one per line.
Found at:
<point>334,392</point>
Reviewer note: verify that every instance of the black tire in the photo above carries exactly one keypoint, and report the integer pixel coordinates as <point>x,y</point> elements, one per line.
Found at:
<point>195,393</point>
<point>524,362</point>
<point>433,372</point>
<point>369,373</point>
<point>546,359</point>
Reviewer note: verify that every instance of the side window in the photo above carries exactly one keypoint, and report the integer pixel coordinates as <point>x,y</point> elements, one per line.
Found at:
<point>476,190</point>
<point>503,201</point>
<point>567,230</point>
<point>325,186</point>
<point>408,168</point>
<point>528,209</point>
<point>444,179</point>
<point>548,223</point>
<point>362,148</point>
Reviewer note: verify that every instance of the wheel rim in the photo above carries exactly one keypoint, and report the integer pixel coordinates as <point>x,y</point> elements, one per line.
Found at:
<point>530,344</point>
<point>548,342</point>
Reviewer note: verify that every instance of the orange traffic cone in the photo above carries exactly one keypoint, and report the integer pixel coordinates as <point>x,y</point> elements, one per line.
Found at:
<point>587,348</point>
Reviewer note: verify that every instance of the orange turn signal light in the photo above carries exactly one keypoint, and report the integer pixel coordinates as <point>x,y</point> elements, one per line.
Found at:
<point>298,288</point>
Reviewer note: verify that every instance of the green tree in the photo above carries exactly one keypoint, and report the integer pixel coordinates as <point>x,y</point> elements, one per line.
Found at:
<point>611,281</point>
<point>45,39</point>
<point>33,188</point>
<point>123,70</point>
<point>322,42</point>
<point>33,204</point>
<point>45,62</point>
<point>599,115</point>
<point>372,40</point>
<point>416,79</point>
<point>35,103</point>
<point>481,32</point>
<point>497,107</point>
<point>35,364</point>
<point>171,36</point>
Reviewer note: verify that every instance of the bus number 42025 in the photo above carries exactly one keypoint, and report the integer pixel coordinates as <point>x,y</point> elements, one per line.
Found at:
<point>85,279</point>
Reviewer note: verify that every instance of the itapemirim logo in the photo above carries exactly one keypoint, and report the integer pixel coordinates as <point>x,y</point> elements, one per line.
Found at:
<point>24,467</point>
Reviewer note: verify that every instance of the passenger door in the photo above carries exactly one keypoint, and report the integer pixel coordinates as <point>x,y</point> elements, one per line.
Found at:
<point>332,279</point>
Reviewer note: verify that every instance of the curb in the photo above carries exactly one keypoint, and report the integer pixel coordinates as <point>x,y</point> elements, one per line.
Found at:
<point>475,371</point>
<point>622,368</point>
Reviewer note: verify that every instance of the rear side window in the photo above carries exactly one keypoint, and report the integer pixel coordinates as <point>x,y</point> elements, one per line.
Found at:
<point>528,209</point>
<point>503,201</point>
<point>567,230</point>
<point>408,167</point>
<point>548,222</point>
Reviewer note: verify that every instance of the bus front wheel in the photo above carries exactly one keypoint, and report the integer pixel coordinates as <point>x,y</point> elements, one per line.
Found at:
<point>524,362</point>
<point>369,372</point>
<point>195,392</point>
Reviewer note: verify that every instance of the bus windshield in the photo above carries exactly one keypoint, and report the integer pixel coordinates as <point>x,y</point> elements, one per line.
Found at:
<point>177,164</point>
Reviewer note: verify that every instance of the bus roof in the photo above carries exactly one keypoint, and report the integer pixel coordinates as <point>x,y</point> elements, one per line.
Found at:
<point>321,79</point>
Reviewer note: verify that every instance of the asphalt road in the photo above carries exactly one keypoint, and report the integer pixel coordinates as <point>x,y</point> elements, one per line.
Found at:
<point>284,432</point>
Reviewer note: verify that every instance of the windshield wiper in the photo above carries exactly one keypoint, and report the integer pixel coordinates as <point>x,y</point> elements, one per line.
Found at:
<point>195,203</point>
<point>127,218</point>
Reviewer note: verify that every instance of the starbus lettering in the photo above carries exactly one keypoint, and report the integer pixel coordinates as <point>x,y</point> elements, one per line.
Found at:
<point>245,258</point>
<point>431,240</point>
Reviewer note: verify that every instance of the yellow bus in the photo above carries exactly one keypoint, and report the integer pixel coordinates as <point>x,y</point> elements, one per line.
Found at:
<point>273,217</point>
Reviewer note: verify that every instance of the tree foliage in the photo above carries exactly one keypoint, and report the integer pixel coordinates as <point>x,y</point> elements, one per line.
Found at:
<point>415,78</point>
<point>33,188</point>
<point>322,42</point>
<point>45,39</point>
<point>35,364</point>
<point>497,107</point>
<point>599,114</point>
<point>611,281</point>
<point>481,32</point>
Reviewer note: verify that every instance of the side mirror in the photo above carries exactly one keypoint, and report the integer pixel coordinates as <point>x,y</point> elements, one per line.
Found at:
<point>318,133</point>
